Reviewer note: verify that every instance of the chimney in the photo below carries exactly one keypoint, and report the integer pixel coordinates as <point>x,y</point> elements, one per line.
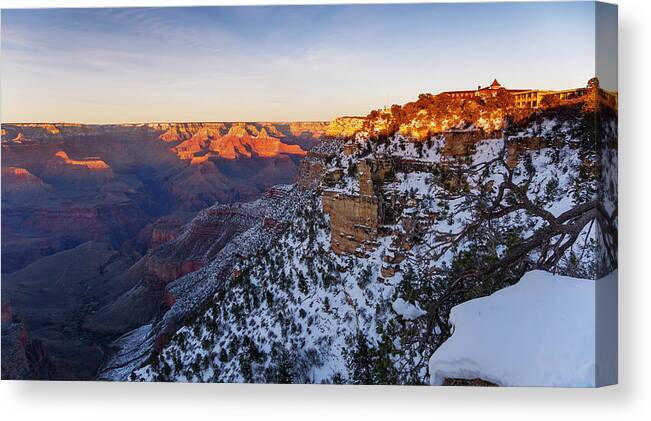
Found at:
<point>478,87</point>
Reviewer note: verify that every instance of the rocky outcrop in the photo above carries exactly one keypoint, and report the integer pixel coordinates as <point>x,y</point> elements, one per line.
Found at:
<point>237,143</point>
<point>198,242</point>
<point>345,127</point>
<point>436,114</point>
<point>354,221</point>
<point>22,357</point>
<point>360,213</point>
<point>314,129</point>
<point>310,173</point>
<point>21,186</point>
<point>356,218</point>
<point>21,174</point>
<point>460,143</point>
<point>87,163</point>
<point>177,132</point>
<point>516,149</point>
<point>161,231</point>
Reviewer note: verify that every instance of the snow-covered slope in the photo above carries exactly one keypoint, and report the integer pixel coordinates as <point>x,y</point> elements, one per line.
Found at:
<point>539,332</point>
<point>419,227</point>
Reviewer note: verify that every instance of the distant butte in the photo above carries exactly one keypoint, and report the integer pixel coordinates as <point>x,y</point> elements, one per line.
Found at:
<point>89,163</point>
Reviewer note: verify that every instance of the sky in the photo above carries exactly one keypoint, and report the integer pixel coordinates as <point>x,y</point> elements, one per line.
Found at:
<point>279,63</point>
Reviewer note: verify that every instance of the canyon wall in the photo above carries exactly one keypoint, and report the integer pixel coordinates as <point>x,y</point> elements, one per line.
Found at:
<point>65,184</point>
<point>345,126</point>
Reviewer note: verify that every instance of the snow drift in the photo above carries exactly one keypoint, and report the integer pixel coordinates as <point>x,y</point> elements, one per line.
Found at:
<point>539,332</point>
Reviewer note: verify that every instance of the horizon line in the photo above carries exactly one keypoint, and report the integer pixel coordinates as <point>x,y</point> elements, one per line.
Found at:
<point>106,123</point>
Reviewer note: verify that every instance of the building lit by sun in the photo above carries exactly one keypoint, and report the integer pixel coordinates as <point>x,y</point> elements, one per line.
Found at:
<point>532,98</point>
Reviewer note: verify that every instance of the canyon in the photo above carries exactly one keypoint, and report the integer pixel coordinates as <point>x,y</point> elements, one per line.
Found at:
<point>98,219</point>
<point>65,184</point>
<point>122,244</point>
<point>389,230</point>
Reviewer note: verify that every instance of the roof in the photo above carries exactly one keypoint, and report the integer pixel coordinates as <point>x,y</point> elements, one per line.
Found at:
<point>492,86</point>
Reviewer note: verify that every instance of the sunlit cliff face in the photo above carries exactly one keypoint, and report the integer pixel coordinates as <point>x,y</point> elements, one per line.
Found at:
<point>122,177</point>
<point>88,163</point>
<point>238,142</point>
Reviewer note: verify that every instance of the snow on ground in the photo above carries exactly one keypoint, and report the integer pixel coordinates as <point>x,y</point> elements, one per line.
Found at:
<point>419,182</point>
<point>539,332</point>
<point>295,306</point>
<point>407,310</point>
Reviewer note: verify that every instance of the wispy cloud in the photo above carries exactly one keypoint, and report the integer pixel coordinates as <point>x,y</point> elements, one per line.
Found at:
<point>146,22</point>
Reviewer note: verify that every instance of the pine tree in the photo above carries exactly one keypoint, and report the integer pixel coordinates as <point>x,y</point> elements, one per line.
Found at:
<point>365,277</point>
<point>284,368</point>
<point>360,362</point>
<point>302,283</point>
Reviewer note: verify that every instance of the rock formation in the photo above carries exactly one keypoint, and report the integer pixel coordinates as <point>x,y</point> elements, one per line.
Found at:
<point>118,178</point>
<point>87,163</point>
<point>345,127</point>
<point>273,283</point>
